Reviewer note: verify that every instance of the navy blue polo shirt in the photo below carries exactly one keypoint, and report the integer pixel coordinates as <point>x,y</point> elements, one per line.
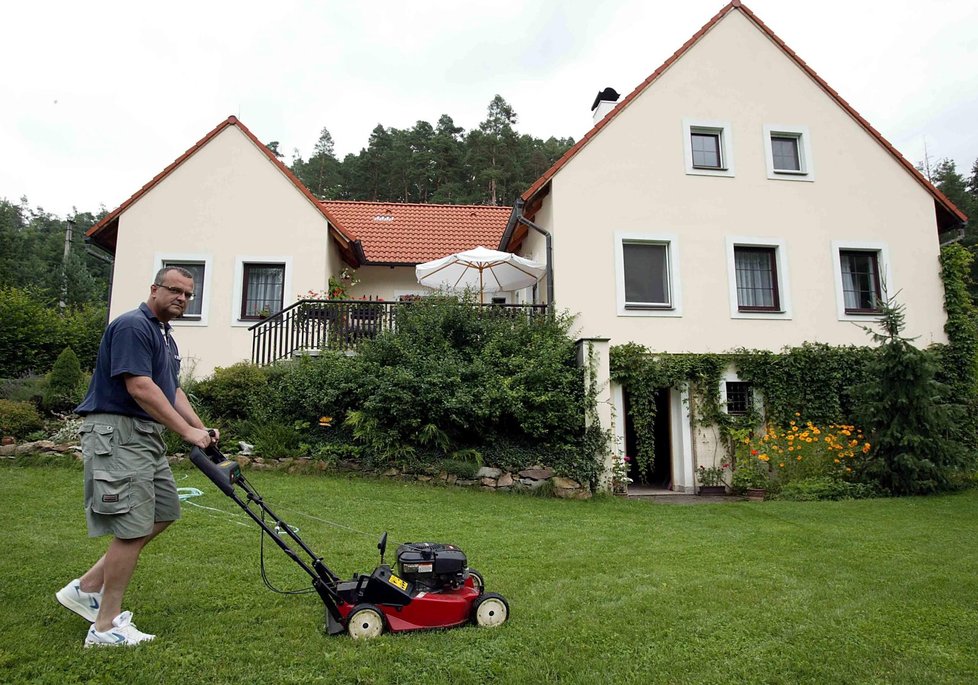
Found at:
<point>135,343</point>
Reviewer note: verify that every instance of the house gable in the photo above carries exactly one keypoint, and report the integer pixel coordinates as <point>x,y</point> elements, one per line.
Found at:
<point>947,214</point>
<point>105,232</point>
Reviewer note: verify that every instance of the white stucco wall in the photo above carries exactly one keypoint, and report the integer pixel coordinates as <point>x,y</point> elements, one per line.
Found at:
<point>224,205</point>
<point>631,178</point>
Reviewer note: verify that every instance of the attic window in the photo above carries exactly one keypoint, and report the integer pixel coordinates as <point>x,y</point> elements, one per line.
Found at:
<point>708,148</point>
<point>384,217</point>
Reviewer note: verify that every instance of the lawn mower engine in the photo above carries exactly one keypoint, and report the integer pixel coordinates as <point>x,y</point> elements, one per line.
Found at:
<point>432,566</point>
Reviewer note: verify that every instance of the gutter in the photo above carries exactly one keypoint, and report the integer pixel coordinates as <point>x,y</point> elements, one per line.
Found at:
<point>520,219</point>
<point>103,255</point>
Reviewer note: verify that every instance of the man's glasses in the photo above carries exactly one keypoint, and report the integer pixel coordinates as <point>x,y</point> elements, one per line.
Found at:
<point>189,294</point>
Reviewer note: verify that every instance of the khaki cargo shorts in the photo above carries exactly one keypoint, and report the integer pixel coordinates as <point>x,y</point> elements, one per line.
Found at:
<point>128,482</point>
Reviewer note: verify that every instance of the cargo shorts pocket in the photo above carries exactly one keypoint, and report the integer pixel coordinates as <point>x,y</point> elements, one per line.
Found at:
<point>111,492</point>
<point>97,437</point>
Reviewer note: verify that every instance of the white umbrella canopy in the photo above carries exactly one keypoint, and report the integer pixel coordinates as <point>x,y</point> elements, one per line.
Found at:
<point>489,271</point>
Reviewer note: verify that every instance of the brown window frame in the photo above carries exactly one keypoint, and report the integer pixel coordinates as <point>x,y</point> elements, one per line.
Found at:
<point>874,257</point>
<point>718,144</point>
<point>245,273</point>
<point>772,253</point>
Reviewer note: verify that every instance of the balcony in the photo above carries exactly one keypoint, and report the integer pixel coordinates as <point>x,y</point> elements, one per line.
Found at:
<point>310,326</point>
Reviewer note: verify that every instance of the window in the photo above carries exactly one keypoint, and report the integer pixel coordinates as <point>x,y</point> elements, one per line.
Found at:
<point>201,266</point>
<point>263,286</point>
<point>646,274</point>
<point>861,290</point>
<point>788,154</point>
<point>862,278</point>
<point>194,306</point>
<point>708,148</point>
<point>784,149</point>
<point>647,277</point>
<point>740,398</point>
<point>757,279</point>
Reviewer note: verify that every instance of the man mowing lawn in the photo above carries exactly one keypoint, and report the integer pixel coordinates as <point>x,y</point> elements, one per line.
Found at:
<point>129,488</point>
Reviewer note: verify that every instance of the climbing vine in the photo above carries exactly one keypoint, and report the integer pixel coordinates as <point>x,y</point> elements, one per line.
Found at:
<point>815,381</point>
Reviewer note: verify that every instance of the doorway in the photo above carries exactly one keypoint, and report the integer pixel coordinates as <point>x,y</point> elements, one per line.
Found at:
<point>661,473</point>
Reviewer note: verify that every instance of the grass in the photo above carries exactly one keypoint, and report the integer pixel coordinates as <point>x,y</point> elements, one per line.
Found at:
<point>870,591</point>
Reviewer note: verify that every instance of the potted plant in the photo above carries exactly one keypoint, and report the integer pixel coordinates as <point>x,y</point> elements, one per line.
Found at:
<point>711,480</point>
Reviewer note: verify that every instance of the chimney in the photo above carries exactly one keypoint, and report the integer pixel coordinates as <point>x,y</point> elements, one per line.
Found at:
<point>604,102</point>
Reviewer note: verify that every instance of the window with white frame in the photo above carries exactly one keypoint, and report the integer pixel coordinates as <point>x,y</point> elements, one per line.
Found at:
<point>861,278</point>
<point>757,278</point>
<point>262,290</point>
<point>739,397</point>
<point>647,274</point>
<point>708,147</point>
<point>787,151</point>
<point>262,284</point>
<point>199,266</point>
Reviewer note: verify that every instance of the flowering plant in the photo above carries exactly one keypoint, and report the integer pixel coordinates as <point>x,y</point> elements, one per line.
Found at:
<point>711,475</point>
<point>337,287</point>
<point>619,474</point>
<point>801,450</point>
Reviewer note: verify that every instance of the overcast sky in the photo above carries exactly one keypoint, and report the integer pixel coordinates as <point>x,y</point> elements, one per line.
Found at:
<point>100,96</point>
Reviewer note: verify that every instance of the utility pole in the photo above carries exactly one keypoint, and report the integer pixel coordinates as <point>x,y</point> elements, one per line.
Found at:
<point>69,224</point>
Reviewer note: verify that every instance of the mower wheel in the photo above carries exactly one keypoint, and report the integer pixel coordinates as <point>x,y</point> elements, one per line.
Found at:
<point>490,610</point>
<point>478,582</point>
<point>365,621</point>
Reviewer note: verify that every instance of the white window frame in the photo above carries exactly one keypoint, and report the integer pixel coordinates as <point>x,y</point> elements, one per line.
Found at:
<point>730,376</point>
<point>725,133</point>
<point>204,293</point>
<point>671,241</point>
<point>805,160</point>
<point>887,284</point>
<point>239,263</point>
<point>781,261</point>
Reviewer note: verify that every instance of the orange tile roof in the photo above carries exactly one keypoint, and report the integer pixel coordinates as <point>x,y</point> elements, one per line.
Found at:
<point>951,212</point>
<point>402,233</point>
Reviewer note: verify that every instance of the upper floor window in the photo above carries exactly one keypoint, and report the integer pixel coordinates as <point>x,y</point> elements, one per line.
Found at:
<point>708,148</point>
<point>193,309</point>
<point>861,290</point>
<point>757,278</point>
<point>262,291</point>
<point>788,154</point>
<point>647,274</point>
<point>862,277</point>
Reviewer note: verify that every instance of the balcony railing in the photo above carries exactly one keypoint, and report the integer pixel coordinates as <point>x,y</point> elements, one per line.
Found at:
<point>309,326</point>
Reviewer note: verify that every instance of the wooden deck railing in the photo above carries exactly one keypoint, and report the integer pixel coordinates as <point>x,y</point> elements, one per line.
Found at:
<point>309,326</point>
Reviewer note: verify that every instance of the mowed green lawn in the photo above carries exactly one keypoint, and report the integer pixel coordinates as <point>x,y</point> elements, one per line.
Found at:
<point>878,591</point>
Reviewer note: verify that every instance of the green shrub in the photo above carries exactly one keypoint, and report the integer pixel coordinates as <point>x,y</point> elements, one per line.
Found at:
<point>30,336</point>
<point>825,488</point>
<point>24,389</point>
<point>461,469</point>
<point>19,419</point>
<point>234,392</point>
<point>64,386</point>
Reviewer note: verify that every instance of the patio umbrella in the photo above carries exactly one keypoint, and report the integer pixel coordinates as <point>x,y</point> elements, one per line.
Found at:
<point>490,271</point>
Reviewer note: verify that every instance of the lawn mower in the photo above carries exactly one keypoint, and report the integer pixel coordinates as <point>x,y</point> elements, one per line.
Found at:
<point>433,586</point>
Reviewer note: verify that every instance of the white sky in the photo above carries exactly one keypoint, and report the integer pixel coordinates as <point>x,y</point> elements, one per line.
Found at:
<point>99,96</point>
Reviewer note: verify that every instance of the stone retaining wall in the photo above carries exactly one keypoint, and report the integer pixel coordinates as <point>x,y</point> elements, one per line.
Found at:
<point>486,478</point>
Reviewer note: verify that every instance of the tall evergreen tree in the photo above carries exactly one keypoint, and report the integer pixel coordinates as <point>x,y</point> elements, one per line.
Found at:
<point>911,429</point>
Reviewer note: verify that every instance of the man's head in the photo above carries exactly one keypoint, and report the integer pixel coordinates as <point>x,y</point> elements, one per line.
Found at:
<point>170,292</point>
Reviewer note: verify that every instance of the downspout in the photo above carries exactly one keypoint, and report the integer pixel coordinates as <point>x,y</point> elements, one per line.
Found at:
<point>550,250</point>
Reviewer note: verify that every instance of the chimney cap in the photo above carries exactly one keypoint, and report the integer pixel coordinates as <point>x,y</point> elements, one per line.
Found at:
<point>607,95</point>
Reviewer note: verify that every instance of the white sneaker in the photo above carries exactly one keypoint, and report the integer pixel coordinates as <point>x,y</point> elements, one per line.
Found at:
<point>85,604</point>
<point>122,633</point>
